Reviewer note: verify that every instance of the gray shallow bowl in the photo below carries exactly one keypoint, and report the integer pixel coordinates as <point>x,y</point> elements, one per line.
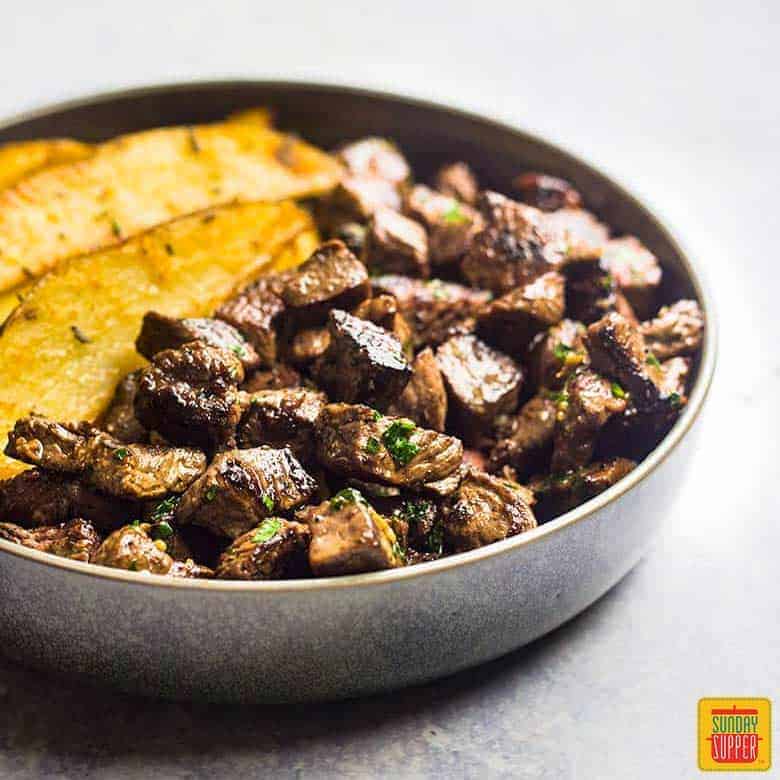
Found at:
<point>338,637</point>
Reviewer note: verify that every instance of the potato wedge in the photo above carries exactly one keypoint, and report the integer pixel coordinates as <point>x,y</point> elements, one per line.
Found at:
<point>25,158</point>
<point>65,347</point>
<point>137,181</point>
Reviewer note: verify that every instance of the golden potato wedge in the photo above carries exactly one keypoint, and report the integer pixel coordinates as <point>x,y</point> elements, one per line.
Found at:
<point>137,181</point>
<point>25,158</point>
<point>259,115</point>
<point>63,349</point>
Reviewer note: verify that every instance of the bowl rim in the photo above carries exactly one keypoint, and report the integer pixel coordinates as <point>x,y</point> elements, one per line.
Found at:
<point>653,460</point>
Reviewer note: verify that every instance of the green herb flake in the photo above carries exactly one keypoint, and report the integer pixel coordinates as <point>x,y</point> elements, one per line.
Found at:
<point>121,454</point>
<point>376,415</point>
<point>675,400</point>
<point>163,530</point>
<point>559,396</point>
<point>398,552</point>
<point>372,446</point>
<point>116,228</point>
<point>133,566</point>
<point>607,282</point>
<point>454,215</point>
<point>136,524</point>
<point>562,350</point>
<point>239,351</point>
<point>618,391</point>
<point>414,512</point>
<point>267,530</point>
<point>397,442</point>
<point>268,503</point>
<point>164,508</point>
<point>435,539</point>
<point>346,496</point>
<point>652,360</point>
<point>211,493</point>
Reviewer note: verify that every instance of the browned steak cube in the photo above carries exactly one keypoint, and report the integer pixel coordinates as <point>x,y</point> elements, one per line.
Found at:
<point>119,419</point>
<point>636,271</point>
<point>281,418</point>
<point>676,330</point>
<point>277,377</point>
<point>331,278</point>
<point>354,199</point>
<point>434,309</point>
<point>76,539</point>
<point>512,321</point>
<point>511,250</point>
<point>424,399</point>
<point>556,354</point>
<point>424,528</point>
<point>584,407</point>
<point>307,345</point>
<point>364,363</point>
<point>357,441</point>
<point>396,244</point>
<point>277,549</point>
<point>378,157</point>
<point>576,232</point>
<point>558,493</point>
<point>591,291</point>
<point>528,446</point>
<point>450,225</point>
<point>458,181</point>
<point>548,193</point>
<point>242,487</point>
<point>482,383</point>
<point>190,395</point>
<point>485,509</point>
<point>348,536</point>
<point>383,310</point>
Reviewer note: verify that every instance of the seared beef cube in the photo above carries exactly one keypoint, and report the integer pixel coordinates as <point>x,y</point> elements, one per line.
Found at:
<point>307,345</point>
<point>481,382</point>
<point>511,250</point>
<point>256,312</point>
<point>355,199</point>
<point>591,291</point>
<point>576,232</point>
<point>676,330</point>
<point>558,493</point>
<point>450,225</point>
<point>159,332</point>
<point>528,447</point>
<point>348,536</point>
<point>353,234</point>
<point>557,353</point>
<point>435,310</point>
<point>548,193</point>
<point>584,407</point>
<point>636,271</point>
<point>424,399</point>
<point>76,539</point>
<point>190,395</point>
<point>281,418</point>
<point>425,531</point>
<point>484,509</point>
<point>331,278</point>
<point>119,419</point>
<point>396,244</point>
<point>278,377</point>
<point>458,181</point>
<point>242,487</point>
<point>36,497</point>
<point>383,310</point>
<point>513,320</point>
<point>378,157</point>
<point>617,350</point>
<point>357,441</point>
<point>673,379</point>
<point>133,471</point>
<point>364,363</point>
<point>277,549</point>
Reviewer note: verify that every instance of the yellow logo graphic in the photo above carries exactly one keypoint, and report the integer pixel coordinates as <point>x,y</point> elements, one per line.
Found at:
<point>735,735</point>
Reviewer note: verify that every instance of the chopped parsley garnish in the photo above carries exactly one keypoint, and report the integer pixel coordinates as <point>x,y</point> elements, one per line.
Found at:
<point>164,508</point>
<point>136,524</point>
<point>268,503</point>
<point>116,228</point>
<point>397,442</point>
<point>415,511</point>
<point>435,539</point>
<point>652,360</point>
<point>78,333</point>
<point>163,530</point>
<point>618,391</point>
<point>561,350</point>
<point>211,493</point>
<point>559,396</point>
<point>372,446</point>
<point>121,454</point>
<point>377,415</point>
<point>675,400</point>
<point>607,282</point>
<point>454,215</point>
<point>267,530</point>
<point>239,351</point>
<point>346,496</point>
<point>398,552</point>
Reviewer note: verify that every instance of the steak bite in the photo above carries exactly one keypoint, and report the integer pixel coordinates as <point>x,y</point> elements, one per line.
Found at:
<point>557,353</point>
<point>528,446</point>
<point>558,493</point>
<point>396,244</point>
<point>584,407</point>
<point>424,528</point>
<point>190,395</point>
<point>577,232</point>
<point>119,418</point>
<point>481,383</point>
<point>348,536</point>
<point>132,471</point>
<point>484,510</point>
<point>424,399</point>
<point>277,549</point>
<point>434,309</point>
<point>281,418</point>
<point>636,271</point>
<point>356,441</point>
<point>548,193</point>
<point>591,291</point>
<point>159,332</point>
<point>458,181</point>
<point>355,199</point>
<point>331,278</point>
<point>76,539</point>
<point>511,250</point>
<point>450,225</point>
<point>513,320</point>
<point>676,330</point>
<point>374,156</point>
<point>383,310</point>
<point>364,363</point>
<point>242,487</point>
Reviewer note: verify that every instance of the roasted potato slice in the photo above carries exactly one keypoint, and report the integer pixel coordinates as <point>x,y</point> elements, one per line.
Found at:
<point>137,181</point>
<point>20,159</point>
<point>64,349</point>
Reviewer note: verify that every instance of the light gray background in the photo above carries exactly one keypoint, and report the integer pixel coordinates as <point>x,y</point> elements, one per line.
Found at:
<point>679,100</point>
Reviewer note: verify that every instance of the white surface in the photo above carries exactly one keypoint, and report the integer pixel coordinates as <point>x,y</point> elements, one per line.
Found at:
<point>679,100</point>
